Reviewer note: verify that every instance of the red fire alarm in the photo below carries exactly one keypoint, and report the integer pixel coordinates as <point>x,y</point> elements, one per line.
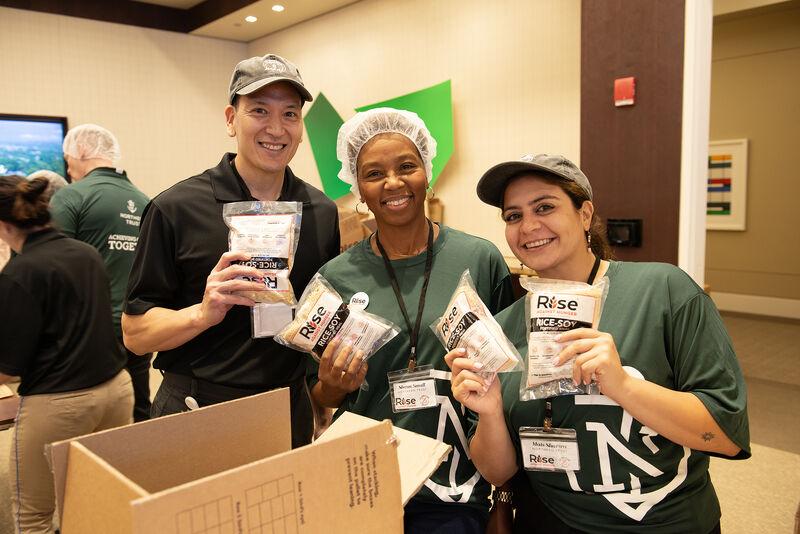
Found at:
<point>624,91</point>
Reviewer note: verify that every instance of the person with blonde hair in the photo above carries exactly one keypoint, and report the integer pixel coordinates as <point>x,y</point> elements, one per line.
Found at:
<point>55,180</point>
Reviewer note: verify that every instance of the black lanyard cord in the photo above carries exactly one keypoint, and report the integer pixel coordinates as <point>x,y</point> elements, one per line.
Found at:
<point>413,333</point>
<point>595,267</point>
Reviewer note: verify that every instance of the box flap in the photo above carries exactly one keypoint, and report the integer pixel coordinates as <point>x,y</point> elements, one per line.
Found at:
<point>343,485</point>
<point>97,497</point>
<point>418,456</point>
<point>169,451</point>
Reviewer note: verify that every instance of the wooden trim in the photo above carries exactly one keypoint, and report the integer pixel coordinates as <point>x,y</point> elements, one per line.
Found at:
<point>136,13</point>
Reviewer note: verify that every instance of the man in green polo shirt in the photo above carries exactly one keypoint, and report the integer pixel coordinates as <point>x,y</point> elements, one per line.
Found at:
<point>103,208</point>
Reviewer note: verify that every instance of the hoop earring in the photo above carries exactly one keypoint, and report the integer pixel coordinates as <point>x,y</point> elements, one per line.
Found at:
<point>432,194</point>
<point>357,205</point>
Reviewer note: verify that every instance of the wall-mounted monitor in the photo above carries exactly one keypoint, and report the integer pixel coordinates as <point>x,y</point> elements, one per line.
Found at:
<point>31,143</point>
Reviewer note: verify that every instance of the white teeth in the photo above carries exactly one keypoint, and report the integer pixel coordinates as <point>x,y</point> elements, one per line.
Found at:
<point>397,201</point>
<point>271,147</point>
<point>538,243</point>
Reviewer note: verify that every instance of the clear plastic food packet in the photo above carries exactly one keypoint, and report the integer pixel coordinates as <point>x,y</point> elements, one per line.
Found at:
<point>469,324</point>
<point>322,316</point>
<point>269,232</point>
<point>553,307</point>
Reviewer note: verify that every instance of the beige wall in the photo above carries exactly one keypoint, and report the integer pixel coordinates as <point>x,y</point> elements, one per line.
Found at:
<point>754,95</point>
<point>514,66</point>
<point>161,93</point>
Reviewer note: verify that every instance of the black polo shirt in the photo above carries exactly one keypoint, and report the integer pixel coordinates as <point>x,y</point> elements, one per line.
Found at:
<point>182,238</point>
<point>55,319</point>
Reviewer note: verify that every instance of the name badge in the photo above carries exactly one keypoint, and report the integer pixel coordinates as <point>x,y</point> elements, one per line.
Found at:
<point>412,390</point>
<point>549,450</point>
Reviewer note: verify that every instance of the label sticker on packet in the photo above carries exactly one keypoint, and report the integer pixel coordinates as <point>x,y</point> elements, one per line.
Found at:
<point>553,307</point>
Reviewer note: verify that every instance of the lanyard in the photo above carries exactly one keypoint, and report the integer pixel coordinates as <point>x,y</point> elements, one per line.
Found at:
<point>592,274</point>
<point>414,333</point>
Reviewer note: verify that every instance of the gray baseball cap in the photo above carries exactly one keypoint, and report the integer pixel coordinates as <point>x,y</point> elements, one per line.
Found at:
<point>492,185</point>
<point>252,74</point>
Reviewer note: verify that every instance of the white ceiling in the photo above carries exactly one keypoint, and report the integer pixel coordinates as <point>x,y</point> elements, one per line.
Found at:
<point>234,27</point>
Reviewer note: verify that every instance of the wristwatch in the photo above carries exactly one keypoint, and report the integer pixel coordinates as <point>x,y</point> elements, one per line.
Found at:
<point>502,495</point>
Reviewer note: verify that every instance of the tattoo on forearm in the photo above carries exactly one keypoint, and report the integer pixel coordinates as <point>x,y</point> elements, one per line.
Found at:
<point>707,436</point>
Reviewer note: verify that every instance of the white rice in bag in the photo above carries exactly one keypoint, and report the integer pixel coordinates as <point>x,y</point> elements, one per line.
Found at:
<point>269,232</point>
<point>468,324</point>
<point>322,316</point>
<point>551,308</point>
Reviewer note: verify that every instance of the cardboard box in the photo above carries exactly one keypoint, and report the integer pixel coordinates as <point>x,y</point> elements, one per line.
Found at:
<point>353,227</point>
<point>9,406</point>
<point>228,469</point>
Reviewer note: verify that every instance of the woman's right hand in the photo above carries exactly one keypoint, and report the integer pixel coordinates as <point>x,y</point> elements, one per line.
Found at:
<point>482,396</point>
<point>334,371</point>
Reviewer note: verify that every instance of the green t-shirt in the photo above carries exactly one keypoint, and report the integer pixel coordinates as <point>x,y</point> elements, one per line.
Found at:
<point>359,269</point>
<point>668,332</point>
<point>104,210</point>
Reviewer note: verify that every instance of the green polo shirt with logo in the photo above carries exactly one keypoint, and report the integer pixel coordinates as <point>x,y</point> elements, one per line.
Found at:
<point>104,210</point>
<point>667,331</point>
<point>359,269</point>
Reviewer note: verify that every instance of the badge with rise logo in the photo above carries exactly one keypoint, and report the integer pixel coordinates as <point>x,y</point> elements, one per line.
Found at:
<point>412,389</point>
<point>545,448</point>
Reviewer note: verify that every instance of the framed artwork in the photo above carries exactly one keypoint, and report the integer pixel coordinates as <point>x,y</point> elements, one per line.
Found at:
<point>31,143</point>
<point>726,202</point>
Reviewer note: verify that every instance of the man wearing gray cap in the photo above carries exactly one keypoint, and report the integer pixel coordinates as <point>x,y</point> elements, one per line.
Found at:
<point>181,299</point>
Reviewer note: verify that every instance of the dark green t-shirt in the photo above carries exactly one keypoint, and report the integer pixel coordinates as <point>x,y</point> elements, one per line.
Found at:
<point>359,269</point>
<point>104,209</point>
<point>667,331</point>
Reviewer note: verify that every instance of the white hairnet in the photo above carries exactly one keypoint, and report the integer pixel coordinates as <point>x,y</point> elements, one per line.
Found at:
<point>56,180</point>
<point>89,141</point>
<point>363,126</point>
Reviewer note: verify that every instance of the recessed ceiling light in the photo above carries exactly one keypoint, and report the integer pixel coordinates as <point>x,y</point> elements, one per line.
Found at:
<point>278,8</point>
<point>250,18</point>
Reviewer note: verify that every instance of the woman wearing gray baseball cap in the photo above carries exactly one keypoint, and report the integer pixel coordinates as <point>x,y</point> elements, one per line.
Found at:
<point>635,456</point>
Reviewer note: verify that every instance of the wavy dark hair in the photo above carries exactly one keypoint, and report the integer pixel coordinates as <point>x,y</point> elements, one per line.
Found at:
<point>597,228</point>
<point>24,203</point>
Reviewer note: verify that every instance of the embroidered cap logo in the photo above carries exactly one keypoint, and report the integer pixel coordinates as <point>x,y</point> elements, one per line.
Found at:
<point>272,65</point>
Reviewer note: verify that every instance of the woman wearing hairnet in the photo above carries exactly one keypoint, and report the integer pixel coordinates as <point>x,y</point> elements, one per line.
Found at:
<point>407,271</point>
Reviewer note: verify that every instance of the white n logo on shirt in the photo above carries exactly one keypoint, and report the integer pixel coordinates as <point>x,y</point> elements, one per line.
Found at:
<point>447,413</point>
<point>613,492</point>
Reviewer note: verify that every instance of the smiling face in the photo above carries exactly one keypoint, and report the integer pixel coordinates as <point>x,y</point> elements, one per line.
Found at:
<point>268,127</point>
<point>543,228</point>
<point>391,179</point>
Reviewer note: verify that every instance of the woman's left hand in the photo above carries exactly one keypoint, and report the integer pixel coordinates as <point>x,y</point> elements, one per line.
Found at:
<point>595,358</point>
